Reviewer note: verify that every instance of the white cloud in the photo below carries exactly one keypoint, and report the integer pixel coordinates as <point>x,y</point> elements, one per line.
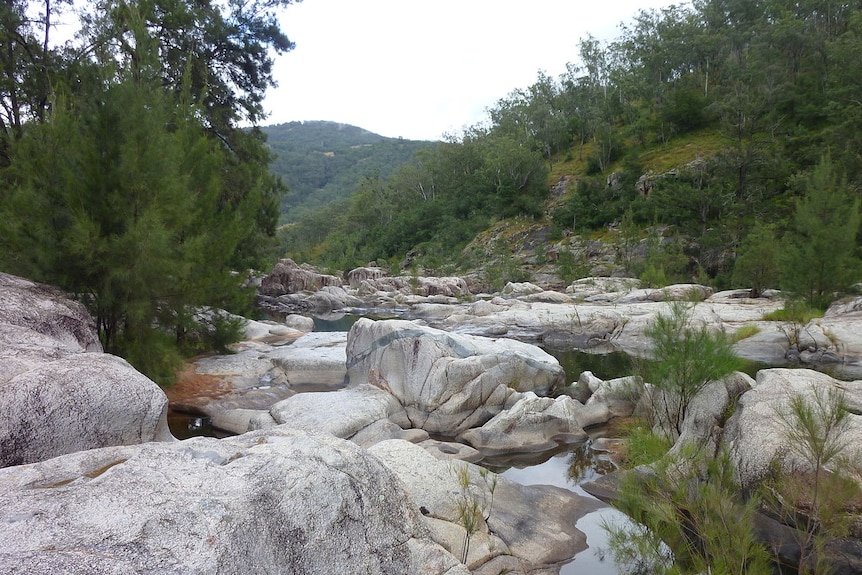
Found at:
<point>421,68</point>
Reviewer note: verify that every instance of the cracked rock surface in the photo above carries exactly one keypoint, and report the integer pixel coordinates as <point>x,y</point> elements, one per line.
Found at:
<point>280,501</point>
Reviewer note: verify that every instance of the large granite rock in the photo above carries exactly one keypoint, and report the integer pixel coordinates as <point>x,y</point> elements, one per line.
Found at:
<point>258,376</point>
<point>836,337</point>
<point>341,413</point>
<point>288,277</point>
<point>48,311</point>
<point>533,424</point>
<point>275,502</point>
<point>446,382</point>
<point>79,402</point>
<point>535,524</point>
<point>55,398</point>
<point>708,412</point>
<point>757,433</point>
<point>316,360</point>
<point>370,285</point>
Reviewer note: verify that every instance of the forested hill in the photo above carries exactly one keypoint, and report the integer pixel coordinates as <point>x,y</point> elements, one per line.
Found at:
<point>322,162</point>
<point>728,133</point>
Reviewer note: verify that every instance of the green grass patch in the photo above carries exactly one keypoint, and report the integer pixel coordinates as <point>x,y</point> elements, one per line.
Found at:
<point>795,311</point>
<point>744,332</point>
<point>644,446</point>
<point>681,150</point>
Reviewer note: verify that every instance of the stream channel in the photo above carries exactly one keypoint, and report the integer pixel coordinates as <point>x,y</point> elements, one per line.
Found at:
<point>567,467</point>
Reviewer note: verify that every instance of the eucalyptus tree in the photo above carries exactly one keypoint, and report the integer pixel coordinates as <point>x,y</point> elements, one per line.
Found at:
<point>30,62</point>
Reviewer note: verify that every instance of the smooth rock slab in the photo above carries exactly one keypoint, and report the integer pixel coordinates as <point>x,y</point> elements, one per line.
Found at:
<point>341,413</point>
<point>757,432</point>
<point>446,382</point>
<point>281,502</point>
<point>49,311</point>
<point>22,349</point>
<point>316,359</point>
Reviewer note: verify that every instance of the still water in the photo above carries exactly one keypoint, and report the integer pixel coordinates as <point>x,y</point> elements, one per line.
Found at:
<point>568,469</point>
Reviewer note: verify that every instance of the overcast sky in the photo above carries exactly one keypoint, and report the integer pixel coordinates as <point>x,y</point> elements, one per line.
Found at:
<point>421,68</point>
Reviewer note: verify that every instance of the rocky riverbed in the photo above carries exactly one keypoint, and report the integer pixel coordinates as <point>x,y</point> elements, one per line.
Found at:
<point>354,450</point>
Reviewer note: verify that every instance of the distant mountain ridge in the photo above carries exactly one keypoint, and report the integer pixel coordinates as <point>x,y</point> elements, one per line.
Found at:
<point>323,162</point>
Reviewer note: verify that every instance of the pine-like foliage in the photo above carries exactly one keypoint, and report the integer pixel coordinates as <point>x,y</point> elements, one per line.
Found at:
<point>821,257</point>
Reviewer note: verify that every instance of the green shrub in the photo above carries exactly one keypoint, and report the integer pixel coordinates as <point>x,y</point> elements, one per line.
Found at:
<point>794,310</point>
<point>690,520</point>
<point>744,332</point>
<point>643,446</point>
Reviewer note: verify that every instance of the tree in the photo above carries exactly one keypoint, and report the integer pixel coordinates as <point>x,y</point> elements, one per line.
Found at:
<point>821,257</point>
<point>138,194</point>
<point>687,356</point>
<point>817,491</point>
<point>29,64</point>
<point>221,53</point>
<point>757,266</point>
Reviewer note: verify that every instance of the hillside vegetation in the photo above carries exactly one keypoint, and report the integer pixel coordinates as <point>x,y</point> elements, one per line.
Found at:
<point>323,162</point>
<point>697,127</point>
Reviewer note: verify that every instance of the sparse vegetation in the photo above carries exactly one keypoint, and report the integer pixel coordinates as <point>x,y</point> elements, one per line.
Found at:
<point>690,520</point>
<point>795,315</point>
<point>744,332</point>
<point>474,501</point>
<point>688,356</point>
<point>643,446</point>
<point>815,488</point>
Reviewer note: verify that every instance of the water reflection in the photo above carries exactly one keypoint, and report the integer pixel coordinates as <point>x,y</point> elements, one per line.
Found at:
<point>585,464</point>
<point>620,364</point>
<point>186,425</point>
<point>605,365</point>
<point>569,468</point>
<point>334,322</point>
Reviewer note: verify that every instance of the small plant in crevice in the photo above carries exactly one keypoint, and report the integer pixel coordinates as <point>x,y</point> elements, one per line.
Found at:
<point>474,501</point>
<point>688,355</point>
<point>643,446</point>
<point>744,332</point>
<point>795,316</point>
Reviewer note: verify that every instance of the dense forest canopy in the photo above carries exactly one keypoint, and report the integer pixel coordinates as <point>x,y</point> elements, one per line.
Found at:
<point>322,162</point>
<point>126,176</point>
<point>733,104</point>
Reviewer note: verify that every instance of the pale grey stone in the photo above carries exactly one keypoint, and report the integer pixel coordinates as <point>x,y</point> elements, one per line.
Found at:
<point>446,382</point>
<point>536,524</point>
<point>383,429</point>
<point>302,323</point>
<point>81,401</point>
<point>238,420</point>
<point>341,413</point>
<point>450,450</point>
<point>270,502</point>
<point>533,424</point>
<point>757,432</point>
<point>47,310</point>
<point>316,359</point>
<point>520,289</point>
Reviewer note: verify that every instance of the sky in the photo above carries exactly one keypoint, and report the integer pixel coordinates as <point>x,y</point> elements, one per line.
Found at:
<point>421,69</point>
